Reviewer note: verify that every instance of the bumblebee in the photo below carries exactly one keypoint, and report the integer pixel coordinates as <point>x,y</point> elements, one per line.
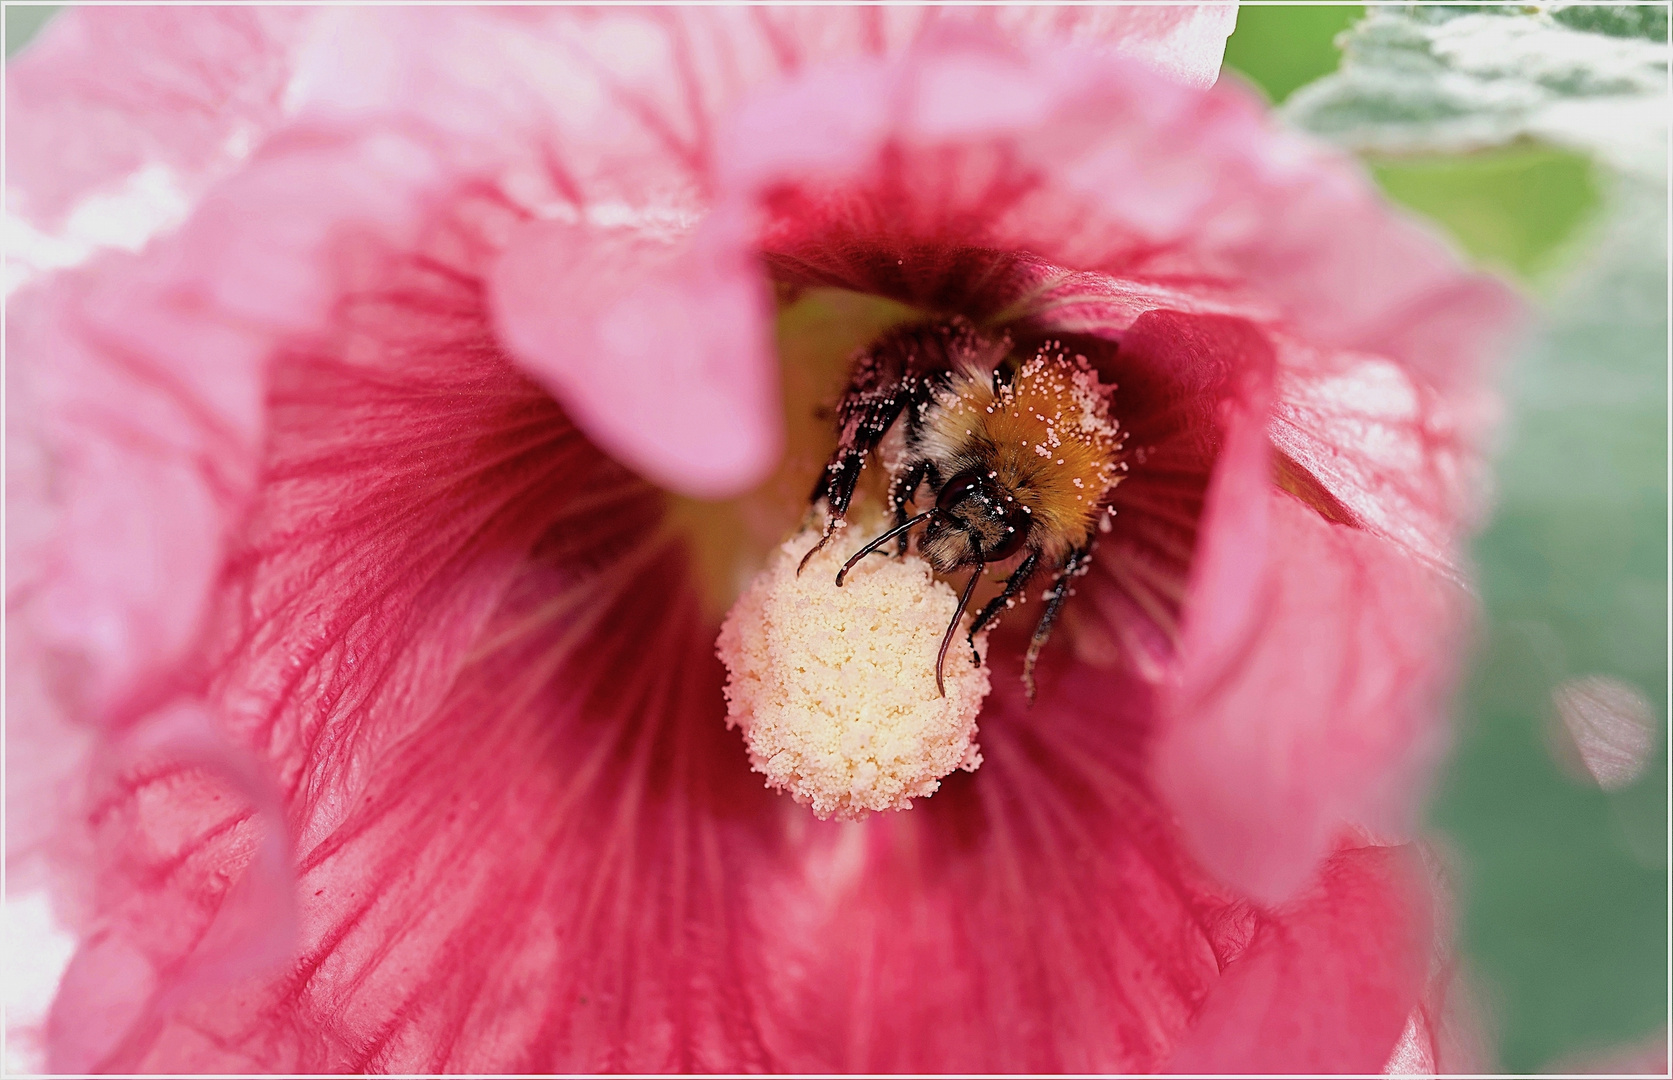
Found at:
<point>1020,455</point>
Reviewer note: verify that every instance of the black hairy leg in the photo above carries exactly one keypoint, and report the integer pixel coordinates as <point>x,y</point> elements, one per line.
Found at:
<point>1013,585</point>
<point>1073,566</point>
<point>900,372</point>
<point>906,488</point>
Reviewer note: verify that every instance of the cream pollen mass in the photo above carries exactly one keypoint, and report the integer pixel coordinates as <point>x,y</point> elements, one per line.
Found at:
<point>834,688</point>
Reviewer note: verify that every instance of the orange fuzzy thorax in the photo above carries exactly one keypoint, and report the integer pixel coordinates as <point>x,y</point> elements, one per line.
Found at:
<point>1048,438</point>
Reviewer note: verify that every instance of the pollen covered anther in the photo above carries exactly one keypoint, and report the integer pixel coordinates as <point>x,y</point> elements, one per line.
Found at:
<point>834,688</point>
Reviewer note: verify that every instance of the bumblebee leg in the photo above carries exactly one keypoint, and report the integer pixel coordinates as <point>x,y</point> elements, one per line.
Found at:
<point>900,371</point>
<point>905,488</point>
<point>1073,566</point>
<point>866,415</point>
<point>1013,585</point>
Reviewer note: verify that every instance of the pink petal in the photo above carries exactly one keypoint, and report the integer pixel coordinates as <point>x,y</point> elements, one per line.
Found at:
<point>649,113</point>
<point>648,329</point>
<point>196,903</point>
<point>527,841</point>
<point>399,508</point>
<point>1093,165</point>
<point>145,380</point>
<point>148,374</point>
<point>1447,1032</point>
<point>1393,455</point>
<point>107,589</point>
<point>696,302</point>
<point>1034,917</point>
<point>451,628</point>
<point>1604,730</point>
<point>1218,372</point>
<point>1263,758</point>
<point>1327,981</point>
<point>1186,41</point>
<point>1263,762</point>
<point>104,93</point>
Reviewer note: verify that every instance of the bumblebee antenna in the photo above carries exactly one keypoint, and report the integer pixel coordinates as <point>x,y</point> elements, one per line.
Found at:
<point>963,602</point>
<point>880,541</point>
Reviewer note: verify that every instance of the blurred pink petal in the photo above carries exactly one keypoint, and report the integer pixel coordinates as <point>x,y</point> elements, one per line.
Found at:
<point>1646,1056</point>
<point>352,468</point>
<point>1357,939</point>
<point>1605,731</point>
<point>183,925</point>
<point>637,337</point>
<point>98,99</point>
<point>1351,726</point>
<point>1447,1031</point>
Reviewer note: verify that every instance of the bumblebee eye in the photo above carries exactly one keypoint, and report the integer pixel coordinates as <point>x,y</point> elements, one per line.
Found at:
<point>954,491</point>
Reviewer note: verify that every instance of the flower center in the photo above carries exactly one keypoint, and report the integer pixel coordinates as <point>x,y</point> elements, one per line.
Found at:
<point>833,687</point>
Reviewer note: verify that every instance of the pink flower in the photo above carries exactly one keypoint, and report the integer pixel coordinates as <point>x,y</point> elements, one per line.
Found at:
<point>369,708</point>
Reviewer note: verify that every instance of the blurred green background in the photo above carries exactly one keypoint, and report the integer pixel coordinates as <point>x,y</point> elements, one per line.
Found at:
<point>1564,886</point>
<point>22,21</point>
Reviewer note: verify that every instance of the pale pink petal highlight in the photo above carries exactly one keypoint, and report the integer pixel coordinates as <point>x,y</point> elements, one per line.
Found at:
<point>103,94</point>
<point>1391,453</point>
<point>1447,1033</point>
<point>1605,730</point>
<point>1186,42</point>
<point>150,374</point>
<point>107,589</point>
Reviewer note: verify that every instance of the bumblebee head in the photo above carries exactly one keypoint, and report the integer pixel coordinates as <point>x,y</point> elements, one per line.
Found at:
<point>977,521</point>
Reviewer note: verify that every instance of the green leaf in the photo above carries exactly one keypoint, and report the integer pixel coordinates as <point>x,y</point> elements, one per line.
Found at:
<point>1513,209</point>
<point>24,21</point>
<point>1282,48</point>
<point>1446,80</point>
<point>1567,885</point>
<point>1647,21</point>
